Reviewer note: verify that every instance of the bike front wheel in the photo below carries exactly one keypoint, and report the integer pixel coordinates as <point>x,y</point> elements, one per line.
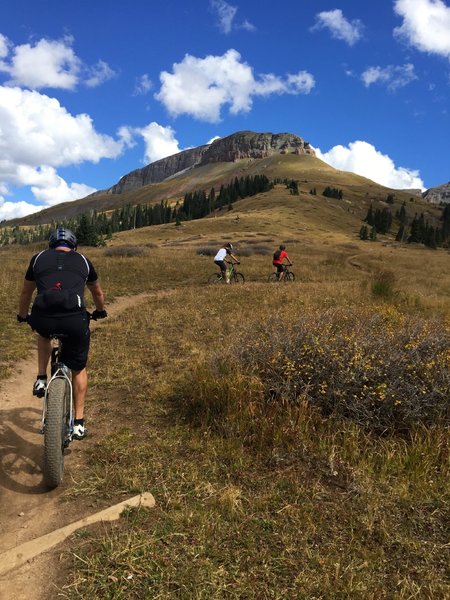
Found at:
<point>289,276</point>
<point>55,432</point>
<point>238,278</point>
<point>215,278</point>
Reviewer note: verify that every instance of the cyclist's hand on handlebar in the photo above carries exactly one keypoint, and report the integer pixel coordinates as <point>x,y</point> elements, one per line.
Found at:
<point>21,319</point>
<point>99,314</point>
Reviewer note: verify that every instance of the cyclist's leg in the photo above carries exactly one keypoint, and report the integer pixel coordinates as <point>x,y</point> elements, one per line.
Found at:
<point>74,355</point>
<point>79,383</point>
<point>226,271</point>
<point>44,352</point>
<point>39,324</point>
<point>223,268</point>
<point>280,272</point>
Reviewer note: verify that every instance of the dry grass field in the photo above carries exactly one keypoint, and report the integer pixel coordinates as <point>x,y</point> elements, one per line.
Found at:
<point>295,436</point>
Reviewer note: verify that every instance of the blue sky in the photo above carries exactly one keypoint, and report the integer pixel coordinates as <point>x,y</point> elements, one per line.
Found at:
<point>90,90</point>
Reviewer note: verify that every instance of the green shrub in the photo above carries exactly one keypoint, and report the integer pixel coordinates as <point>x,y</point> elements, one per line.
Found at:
<point>124,251</point>
<point>377,369</point>
<point>207,251</point>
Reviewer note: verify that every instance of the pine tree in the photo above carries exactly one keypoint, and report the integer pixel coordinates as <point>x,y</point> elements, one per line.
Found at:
<point>363,233</point>
<point>369,217</point>
<point>400,234</point>
<point>85,232</point>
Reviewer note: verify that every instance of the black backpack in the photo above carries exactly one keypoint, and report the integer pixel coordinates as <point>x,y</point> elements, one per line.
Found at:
<point>57,297</point>
<point>276,255</point>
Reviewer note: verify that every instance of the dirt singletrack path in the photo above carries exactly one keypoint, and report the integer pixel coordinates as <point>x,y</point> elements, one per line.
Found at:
<point>27,508</point>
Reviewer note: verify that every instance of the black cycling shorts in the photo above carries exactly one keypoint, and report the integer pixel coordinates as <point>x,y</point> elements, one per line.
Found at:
<point>75,348</point>
<point>280,268</point>
<point>221,264</point>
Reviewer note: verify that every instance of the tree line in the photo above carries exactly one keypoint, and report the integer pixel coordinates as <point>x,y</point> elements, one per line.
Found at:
<point>416,230</point>
<point>93,228</point>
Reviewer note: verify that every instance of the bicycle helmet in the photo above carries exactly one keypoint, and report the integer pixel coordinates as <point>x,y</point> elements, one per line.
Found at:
<point>62,236</point>
<point>282,247</point>
<point>229,246</point>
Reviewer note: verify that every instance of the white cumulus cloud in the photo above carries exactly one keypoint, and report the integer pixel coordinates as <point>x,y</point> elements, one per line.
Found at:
<point>159,141</point>
<point>394,77</point>
<point>15,210</point>
<point>364,159</point>
<point>339,27</point>
<point>200,87</point>
<point>49,64</point>
<point>48,187</point>
<point>38,135</point>
<point>37,130</point>
<point>426,25</point>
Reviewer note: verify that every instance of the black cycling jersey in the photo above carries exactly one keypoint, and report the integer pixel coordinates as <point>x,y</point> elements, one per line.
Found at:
<point>58,269</point>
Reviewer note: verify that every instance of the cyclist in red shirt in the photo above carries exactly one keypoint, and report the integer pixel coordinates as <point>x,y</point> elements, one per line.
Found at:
<point>278,257</point>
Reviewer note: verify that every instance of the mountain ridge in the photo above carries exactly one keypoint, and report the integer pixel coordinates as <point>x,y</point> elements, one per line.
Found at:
<point>282,156</point>
<point>438,194</point>
<point>242,144</point>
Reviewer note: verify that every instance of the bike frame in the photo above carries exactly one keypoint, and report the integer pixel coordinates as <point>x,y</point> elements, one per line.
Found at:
<point>231,269</point>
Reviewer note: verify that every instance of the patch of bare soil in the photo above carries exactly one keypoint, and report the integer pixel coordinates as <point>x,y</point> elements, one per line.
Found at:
<point>28,508</point>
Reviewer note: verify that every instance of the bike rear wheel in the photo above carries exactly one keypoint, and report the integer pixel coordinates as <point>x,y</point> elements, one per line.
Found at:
<point>55,431</point>
<point>273,278</point>
<point>238,278</point>
<point>215,278</point>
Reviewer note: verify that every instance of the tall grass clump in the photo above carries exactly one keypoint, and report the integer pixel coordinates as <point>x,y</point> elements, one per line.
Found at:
<point>383,285</point>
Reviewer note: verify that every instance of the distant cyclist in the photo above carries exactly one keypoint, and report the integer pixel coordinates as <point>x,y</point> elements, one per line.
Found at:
<point>60,275</point>
<point>223,257</point>
<point>278,257</point>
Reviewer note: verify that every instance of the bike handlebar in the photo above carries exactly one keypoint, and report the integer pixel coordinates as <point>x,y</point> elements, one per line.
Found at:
<point>92,316</point>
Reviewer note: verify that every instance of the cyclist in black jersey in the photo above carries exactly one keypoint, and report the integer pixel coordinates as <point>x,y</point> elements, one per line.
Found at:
<point>60,275</point>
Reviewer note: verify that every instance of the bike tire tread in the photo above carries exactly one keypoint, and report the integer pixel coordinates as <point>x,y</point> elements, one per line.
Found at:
<point>54,433</point>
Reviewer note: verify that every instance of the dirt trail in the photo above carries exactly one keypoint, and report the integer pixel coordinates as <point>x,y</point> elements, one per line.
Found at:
<point>28,509</point>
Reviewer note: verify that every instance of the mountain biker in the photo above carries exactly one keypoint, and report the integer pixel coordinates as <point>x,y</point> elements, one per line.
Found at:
<point>278,257</point>
<point>60,275</point>
<point>223,257</point>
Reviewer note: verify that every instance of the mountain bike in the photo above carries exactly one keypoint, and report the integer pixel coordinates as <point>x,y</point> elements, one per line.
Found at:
<point>57,416</point>
<point>234,276</point>
<point>288,276</point>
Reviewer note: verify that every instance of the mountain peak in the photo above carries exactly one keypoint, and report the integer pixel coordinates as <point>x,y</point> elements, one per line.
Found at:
<point>242,144</point>
<point>438,194</point>
<point>249,144</point>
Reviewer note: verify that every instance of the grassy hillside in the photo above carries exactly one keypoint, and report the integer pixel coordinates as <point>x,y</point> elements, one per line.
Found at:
<point>295,436</point>
<point>310,171</point>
